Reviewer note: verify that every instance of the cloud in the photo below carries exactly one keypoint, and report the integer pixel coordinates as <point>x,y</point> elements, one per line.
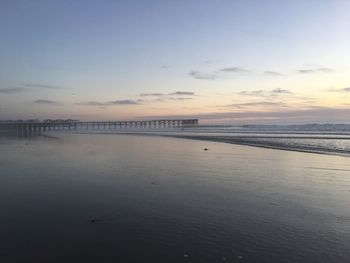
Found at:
<point>202,75</point>
<point>259,103</point>
<point>233,70</point>
<point>124,102</point>
<point>109,103</point>
<point>315,70</point>
<point>12,90</point>
<point>41,86</point>
<point>27,87</point>
<point>263,93</point>
<point>276,116</point>
<point>325,114</point>
<point>181,93</point>
<point>92,103</point>
<point>281,91</point>
<point>152,94</point>
<point>253,93</point>
<point>341,90</point>
<point>272,73</point>
<point>181,98</point>
<point>215,74</point>
<point>176,93</point>
<point>46,102</point>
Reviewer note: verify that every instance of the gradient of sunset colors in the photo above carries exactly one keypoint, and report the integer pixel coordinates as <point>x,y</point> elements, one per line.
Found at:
<point>224,62</point>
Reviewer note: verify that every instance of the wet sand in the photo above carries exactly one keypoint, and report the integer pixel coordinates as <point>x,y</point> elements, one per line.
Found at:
<point>281,141</point>
<point>118,198</point>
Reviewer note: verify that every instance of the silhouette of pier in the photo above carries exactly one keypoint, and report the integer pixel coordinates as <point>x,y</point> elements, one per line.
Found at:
<point>35,127</point>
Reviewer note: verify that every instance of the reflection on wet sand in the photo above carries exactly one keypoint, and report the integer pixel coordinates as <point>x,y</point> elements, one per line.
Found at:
<point>93,198</point>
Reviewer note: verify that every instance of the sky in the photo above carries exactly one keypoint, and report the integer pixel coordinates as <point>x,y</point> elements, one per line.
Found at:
<point>222,61</point>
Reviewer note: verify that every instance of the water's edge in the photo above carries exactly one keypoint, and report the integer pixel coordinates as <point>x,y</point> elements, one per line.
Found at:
<point>230,140</point>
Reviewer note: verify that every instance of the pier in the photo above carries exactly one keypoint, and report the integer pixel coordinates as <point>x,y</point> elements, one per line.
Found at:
<point>35,127</point>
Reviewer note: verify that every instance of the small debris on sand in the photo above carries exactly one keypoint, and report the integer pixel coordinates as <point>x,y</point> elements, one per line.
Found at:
<point>206,149</point>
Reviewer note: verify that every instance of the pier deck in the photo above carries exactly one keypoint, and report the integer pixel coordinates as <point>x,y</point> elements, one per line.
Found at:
<point>36,127</point>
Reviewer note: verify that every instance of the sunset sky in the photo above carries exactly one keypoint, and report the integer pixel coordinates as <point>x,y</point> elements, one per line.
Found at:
<point>222,61</point>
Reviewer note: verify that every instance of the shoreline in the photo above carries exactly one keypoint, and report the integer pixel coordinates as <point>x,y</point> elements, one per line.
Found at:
<point>232,140</point>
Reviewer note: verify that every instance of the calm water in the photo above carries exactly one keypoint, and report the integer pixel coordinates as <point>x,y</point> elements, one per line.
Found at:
<point>124,198</point>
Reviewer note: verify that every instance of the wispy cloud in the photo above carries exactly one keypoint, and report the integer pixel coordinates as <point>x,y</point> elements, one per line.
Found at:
<point>341,90</point>
<point>254,93</point>
<point>181,93</point>
<point>315,70</point>
<point>46,102</point>
<point>215,74</point>
<point>109,103</point>
<point>233,70</point>
<point>25,87</point>
<point>181,98</point>
<point>152,94</point>
<point>202,75</point>
<point>175,93</point>
<point>41,86</point>
<point>274,116</point>
<point>258,103</point>
<point>281,91</point>
<point>265,93</point>
<point>272,73</point>
<point>164,97</point>
<point>92,103</point>
<point>12,90</point>
<point>123,102</point>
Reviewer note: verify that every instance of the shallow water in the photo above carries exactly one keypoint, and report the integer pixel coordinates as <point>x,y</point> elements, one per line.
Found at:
<point>125,198</point>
